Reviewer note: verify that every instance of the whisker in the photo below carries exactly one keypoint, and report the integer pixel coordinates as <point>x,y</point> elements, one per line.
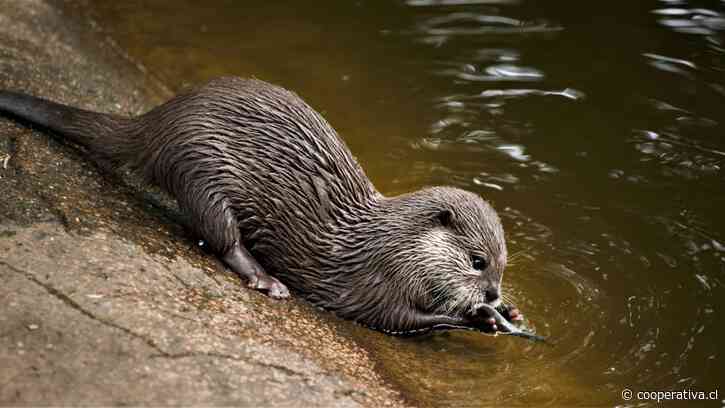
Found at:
<point>508,299</point>
<point>518,256</point>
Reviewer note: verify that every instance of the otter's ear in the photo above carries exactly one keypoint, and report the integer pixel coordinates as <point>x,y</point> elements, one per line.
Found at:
<point>444,218</point>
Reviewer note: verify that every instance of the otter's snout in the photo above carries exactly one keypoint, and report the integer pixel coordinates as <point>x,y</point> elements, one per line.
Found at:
<point>492,295</point>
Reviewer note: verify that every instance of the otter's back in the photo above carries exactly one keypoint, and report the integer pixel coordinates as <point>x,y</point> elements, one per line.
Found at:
<point>260,150</point>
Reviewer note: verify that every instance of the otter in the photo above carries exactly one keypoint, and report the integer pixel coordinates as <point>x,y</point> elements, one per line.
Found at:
<point>277,195</point>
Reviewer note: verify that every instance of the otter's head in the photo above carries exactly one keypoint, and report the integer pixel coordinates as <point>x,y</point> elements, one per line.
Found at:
<point>440,256</point>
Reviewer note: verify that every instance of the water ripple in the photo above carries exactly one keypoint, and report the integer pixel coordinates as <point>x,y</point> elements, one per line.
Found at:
<point>698,21</point>
<point>502,72</point>
<point>670,64</point>
<point>454,24</point>
<point>518,93</point>
<point>429,3</point>
<point>459,100</point>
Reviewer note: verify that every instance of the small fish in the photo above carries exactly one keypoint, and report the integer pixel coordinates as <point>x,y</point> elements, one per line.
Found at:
<point>503,326</point>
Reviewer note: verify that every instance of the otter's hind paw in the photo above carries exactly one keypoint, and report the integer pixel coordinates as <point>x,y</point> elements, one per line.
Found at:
<point>274,288</point>
<point>244,264</point>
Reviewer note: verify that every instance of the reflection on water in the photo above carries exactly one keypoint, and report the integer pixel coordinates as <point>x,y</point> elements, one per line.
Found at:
<point>453,24</point>
<point>595,129</point>
<point>686,20</point>
<point>456,2</point>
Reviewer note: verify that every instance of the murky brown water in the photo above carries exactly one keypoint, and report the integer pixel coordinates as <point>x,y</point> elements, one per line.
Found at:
<point>597,129</point>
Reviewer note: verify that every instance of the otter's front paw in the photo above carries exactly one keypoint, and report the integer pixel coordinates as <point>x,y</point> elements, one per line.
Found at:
<point>510,313</point>
<point>492,320</point>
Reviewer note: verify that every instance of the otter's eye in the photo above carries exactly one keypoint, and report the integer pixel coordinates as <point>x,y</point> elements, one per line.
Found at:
<point>479,263</point>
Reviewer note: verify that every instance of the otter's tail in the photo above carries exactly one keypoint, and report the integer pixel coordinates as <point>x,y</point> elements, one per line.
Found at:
<point>100,133</point>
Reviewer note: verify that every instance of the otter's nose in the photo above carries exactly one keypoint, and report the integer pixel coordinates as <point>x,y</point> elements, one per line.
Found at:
<point>491,294</point>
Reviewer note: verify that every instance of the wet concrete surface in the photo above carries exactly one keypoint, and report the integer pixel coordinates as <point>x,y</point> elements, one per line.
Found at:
<point>106,299</point>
